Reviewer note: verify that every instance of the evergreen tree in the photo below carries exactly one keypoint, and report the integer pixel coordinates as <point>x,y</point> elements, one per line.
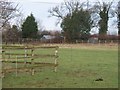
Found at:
<point>75,21</point>
<point>77,25</point>
<point>29,27</point>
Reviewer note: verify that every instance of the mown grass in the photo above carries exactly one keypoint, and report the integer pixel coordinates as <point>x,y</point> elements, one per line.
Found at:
<point>78,68</point>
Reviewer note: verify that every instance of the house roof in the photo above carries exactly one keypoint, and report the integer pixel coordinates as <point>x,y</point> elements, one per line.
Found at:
<point>48,37</point>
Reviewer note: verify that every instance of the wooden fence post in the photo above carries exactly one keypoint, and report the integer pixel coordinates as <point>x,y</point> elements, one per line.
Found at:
<point>82,41</point>
<point>32,71</point>
<point>56,56</point>
<point>16,66</point>
<point>25,55</point>
<point>32,61</point>
<point>105,42</point>
<point>3,59</point>
<point>9,54</point>
<point>3,55</point>
<point>99,42</point>
<point>32,55</point>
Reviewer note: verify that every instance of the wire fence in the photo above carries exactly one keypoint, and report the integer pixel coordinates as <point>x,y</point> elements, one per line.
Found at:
<point>59,41</point>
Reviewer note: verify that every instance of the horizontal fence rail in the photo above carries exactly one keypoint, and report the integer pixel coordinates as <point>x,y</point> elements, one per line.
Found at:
<point>11,54</point>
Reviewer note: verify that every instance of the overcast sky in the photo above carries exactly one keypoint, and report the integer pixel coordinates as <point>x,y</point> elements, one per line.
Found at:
<point>40,8</point>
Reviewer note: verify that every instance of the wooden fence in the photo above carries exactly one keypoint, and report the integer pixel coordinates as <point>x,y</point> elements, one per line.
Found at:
<point>11,54</point>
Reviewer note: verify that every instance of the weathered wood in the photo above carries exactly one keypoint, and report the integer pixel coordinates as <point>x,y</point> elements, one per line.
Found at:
<point>35,63</point>
<point>27,56</point>
<point>13,58</point>
<point>47,55</point>
<point>29,67</point>
<point>32,71</point>
<point>28,47</point>
<point>17,62</point>
<point>46,47</point>
<point>19,48</point>
<point>16,65</point>
<point>32,56</point>
<point>56,54</point>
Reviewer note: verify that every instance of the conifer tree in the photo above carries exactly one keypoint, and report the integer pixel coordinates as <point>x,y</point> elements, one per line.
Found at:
<point>29,27</point>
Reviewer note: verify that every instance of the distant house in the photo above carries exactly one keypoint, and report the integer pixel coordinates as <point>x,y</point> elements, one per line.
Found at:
<point>51,39</point>
<point>47,38</point>
<point>93,39</point>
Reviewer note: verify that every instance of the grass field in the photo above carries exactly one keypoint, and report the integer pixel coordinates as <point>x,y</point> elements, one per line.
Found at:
<point>79,67</point>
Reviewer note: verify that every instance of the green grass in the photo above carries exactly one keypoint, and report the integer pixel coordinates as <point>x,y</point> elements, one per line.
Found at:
<point>78,68</point>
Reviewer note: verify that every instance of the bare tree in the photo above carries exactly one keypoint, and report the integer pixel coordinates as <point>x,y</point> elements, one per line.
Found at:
<point>7,12</point>
<point>118,13</point>
<point>65,8</point>
<point>74,17</point>
<point>104,11</point>
<point>11,35</point>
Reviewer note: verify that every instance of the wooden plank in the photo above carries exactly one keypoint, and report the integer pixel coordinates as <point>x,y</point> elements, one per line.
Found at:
<point>16,66</point>
<point>13,58</point>
<point>15,62</point>
<point>29,55</point>
<point>43,56</point>
<point>16,54</point>
<point>30,62</point>
<point>46,47</point>
<point>28,47</point>
<point>11,48</point>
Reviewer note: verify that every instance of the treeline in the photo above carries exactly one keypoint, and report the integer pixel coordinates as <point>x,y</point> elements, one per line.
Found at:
<point>55,37</point>
<point>76,20</point>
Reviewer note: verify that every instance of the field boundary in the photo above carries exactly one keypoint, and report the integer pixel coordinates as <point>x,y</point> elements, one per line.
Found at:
<point>7,51</point>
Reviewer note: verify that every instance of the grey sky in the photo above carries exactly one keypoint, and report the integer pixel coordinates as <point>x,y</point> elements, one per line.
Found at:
<point>40,8</point>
